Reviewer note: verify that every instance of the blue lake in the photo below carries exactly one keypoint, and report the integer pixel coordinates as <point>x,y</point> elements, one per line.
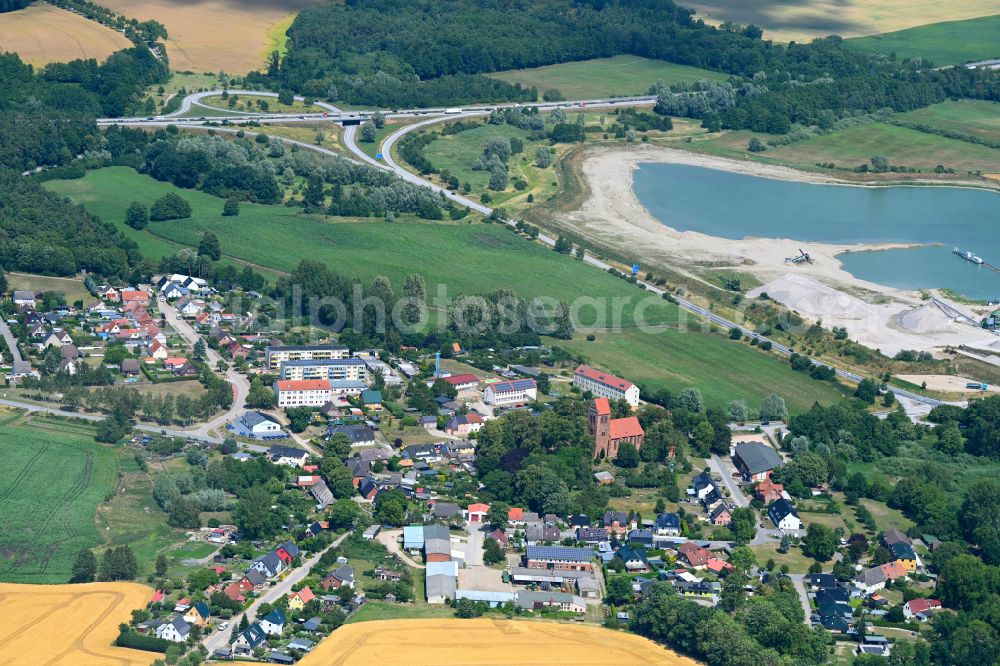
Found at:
<point>730,205</point>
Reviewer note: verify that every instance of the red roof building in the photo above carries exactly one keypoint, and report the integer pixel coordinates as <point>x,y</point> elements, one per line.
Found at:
<point>515,515</point>
<point>602,385</point>
<point>464,382</point>
<point>134,296</point>
<point>694,555</point>
<point>608,433</point>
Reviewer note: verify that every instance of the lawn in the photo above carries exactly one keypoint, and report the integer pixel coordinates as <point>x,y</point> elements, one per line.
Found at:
<point>50,485</point>
<point>721,369</point>
<point>619,76</point>
<point>969,116</point>
<point>947,43</point>
<point>796,561</point>
<point>383,610</point>
<point>71,288</point>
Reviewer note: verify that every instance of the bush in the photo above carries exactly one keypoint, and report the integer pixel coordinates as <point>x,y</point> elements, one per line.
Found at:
<point>231,207</point>
<point>170,207</point>
<point>130,639</point>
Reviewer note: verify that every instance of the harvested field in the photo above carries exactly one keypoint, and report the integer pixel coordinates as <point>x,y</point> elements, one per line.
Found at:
<point>452,642</point>
<point>41,34</point>
<point>801,21</point>
<point>213,35</point>
<point>69,624</point>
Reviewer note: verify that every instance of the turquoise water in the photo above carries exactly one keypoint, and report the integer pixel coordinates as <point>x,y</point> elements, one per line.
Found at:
<point>730,205</point>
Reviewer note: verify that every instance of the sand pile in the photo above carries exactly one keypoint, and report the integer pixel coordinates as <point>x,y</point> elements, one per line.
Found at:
<point>927,318</point>
<point>811,298</point>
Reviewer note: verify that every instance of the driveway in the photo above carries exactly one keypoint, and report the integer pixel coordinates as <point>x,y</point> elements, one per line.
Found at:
<point>5,331</point>
<point>220,639</point>
<point>725,471</point>
<point>388,539</point>
<point>798,581</point>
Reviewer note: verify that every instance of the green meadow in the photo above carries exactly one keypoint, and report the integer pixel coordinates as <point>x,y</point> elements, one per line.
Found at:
<point>52,478</point>
<point>619,76</point>
<point>948,43</point>
<point>466,258</point>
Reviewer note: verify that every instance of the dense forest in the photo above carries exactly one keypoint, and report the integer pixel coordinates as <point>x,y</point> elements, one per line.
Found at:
<point>41,233</point>
<point>11,5</point>
<point>401,53</point>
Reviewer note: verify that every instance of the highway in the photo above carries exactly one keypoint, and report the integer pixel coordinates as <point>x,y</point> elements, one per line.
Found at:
<point>440,115</point>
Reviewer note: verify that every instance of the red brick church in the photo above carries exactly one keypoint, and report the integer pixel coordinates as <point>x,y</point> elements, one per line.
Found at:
<point>609,433</point>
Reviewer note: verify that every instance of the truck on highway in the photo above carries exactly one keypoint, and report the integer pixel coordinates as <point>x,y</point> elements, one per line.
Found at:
<point>453,110</point>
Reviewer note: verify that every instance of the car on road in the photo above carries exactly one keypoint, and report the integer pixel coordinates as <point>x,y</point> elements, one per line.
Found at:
<point>223,626</point>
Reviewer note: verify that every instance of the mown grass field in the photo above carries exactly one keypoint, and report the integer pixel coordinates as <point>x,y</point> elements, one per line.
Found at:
<point>802,21</point>
<point>721,369</point>
<point>946,43</point>
<point>619,76</point>
<point>969,116</point>
<point>42,33</point>
<point>851,147</point>
<point>72,288</point>
<point>469,258</point>
<point>51,481</point>
<point>214,35</point>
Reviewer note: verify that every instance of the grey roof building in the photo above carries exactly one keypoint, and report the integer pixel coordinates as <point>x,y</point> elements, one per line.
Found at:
<point>754,459</point>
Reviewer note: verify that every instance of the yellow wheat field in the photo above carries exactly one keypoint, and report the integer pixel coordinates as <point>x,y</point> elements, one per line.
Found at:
<point>70,625</point>
<point>485,642</point>
<point>233,36</point>
<point>802,21</point>
<point>41,34</point>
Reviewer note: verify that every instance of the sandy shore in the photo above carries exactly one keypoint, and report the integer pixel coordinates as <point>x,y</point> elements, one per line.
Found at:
<point>614,216</point>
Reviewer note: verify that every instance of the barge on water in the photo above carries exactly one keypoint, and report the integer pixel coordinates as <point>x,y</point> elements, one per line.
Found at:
<point>968,256</point>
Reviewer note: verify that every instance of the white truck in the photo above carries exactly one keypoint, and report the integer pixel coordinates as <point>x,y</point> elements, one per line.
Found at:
<point>453,110</point>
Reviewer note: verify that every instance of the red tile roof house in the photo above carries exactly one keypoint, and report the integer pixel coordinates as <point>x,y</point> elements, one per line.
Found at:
<point>920,608</point>
<point>768,491</point>
<point>500,537</point>
<point>134,296</point>
<point>694,555</point>
<point>515,516</point>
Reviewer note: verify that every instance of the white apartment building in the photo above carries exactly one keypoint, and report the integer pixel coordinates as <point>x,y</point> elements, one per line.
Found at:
<point>303,392</point>
<point>516,392</point>
<point>335,369</point>
<point>275,356</point>
<point>603,385</point>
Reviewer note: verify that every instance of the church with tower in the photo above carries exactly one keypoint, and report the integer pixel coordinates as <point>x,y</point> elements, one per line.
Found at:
<point>608,433</point>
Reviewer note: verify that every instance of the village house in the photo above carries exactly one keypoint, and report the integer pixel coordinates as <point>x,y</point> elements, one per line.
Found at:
<point>175,631</point>
<point>561,600</point>
<point>461,425</point>
<point>616,521</point>
<point>905,556</point>
<point>274,622</point>
<point>768,491</point>
<point>253,637</point>
<point>920,609</point>
<point>668,524</point>
<point>696,556</point>
<point>287,455</point>
<point>721,515</point>
<point>198,614</point>
<point>463,383</point>
<point>342,576</point>
<point>298,600</point>
<point>703,488</point>
<point>784,516</point>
